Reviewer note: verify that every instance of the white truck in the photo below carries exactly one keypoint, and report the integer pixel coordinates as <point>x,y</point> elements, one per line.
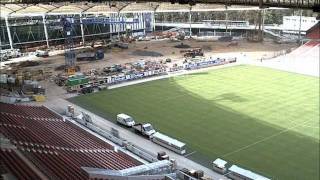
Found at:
<point>145,129</point>
<point>125,120</point>
<point>41,53</point>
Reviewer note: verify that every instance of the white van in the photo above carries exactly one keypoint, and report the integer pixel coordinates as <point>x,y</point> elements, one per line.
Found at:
<point>125,120</point>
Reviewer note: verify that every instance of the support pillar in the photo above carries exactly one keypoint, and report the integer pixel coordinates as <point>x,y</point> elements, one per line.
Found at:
<point>263,18</point>
<point>82,29</point>
<point>117,25</point>
<point>8,31</point>
<point>190,29</point>
<point>260,20</point>
<point>260,38</point>
<point>143,22</point>
<point>137,24</point>
<point>300,26</point>
<point>110,28</point>
<point>45,30</point>
<point>153,21</point>
<point>227,18</point>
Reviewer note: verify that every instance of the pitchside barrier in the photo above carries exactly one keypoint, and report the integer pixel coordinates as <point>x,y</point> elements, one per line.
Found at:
<point>102,132</point>
<point>115,79</point>
<point>144,154</point>
<point>191,65</point>
<point>115,138</point>
<point>129,77</point>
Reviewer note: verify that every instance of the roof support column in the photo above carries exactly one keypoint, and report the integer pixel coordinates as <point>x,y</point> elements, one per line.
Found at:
<point>117,25</point>
<point>82,29</point>
<point>143,23</point>
<point>153,21</point>
<point>111,26</point>
<point>122,25</point>
<point>227,19</point>
<point>134,24</point>
<point>263,18</point>
<point>190,29</point>
<point>140,21</point>
<point>45,29</point>
<point>137,24</point>
<point>300,25</point>
<point>8,31</point>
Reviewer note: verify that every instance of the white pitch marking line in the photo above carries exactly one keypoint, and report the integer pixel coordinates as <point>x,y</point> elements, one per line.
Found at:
<point>190,154</point>
<point>264,139</point>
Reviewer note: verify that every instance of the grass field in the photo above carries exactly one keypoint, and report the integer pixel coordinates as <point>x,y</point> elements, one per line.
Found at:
<point>258,118</point>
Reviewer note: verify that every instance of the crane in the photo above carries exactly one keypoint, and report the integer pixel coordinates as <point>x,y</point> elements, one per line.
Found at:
<point>67,26</point>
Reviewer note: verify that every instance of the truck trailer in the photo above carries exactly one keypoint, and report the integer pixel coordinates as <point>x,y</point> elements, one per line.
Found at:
<point>90,56</point>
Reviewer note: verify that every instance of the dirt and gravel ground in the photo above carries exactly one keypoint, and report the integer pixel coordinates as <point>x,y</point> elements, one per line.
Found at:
<point>162,49</point>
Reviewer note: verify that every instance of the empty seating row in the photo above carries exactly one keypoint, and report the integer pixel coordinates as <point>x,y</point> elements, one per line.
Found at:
<point>6,114</point>
<point>56,147</point>
<point>14,165</point>
<point>31,111</point>
<point>75,135</point>
<point>56,133</point>
<point>312,43</point>
<point>304,48</point>
<point>59,163</point>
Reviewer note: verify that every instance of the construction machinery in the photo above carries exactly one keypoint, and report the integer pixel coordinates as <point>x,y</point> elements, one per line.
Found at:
<point>90,56</point>
<point>70,55</point>
<point>192,52</point>
<point>67,27</point>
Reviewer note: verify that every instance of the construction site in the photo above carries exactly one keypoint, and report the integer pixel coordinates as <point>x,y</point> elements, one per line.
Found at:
<point>55,41</point>
<point>92,65</point>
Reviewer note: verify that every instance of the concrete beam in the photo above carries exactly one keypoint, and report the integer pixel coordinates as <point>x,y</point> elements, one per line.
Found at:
<point>9,32</point>
<point>45,30</point>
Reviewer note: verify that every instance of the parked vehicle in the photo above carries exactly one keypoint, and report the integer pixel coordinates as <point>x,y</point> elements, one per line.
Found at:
<point>145,129</point>
<point>192,53</point>
<point>162,156</point>
<point>125,120</point>
<point>102,87</point>
<point>40,53</point>
<point>90,56</point>
<point>122,45</point>
<point>86,89</point>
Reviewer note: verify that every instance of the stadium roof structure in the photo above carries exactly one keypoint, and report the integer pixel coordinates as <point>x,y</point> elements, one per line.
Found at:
<point>102,9</point>
<point>18,10</point>
<point>306,4</point>
<point>137,7</point>
<point>70,9</point>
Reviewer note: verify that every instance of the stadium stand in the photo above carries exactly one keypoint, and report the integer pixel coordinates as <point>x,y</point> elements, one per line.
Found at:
<point>305,49</point>
<point>57,148</point>
<point>12,163</point>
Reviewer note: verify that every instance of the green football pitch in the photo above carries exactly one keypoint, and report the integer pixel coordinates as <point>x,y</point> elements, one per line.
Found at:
<point>258,118</point>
